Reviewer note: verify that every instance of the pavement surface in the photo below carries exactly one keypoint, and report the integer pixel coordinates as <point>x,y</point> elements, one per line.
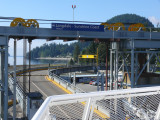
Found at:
<point>46,88</point>
<point>38,83</point>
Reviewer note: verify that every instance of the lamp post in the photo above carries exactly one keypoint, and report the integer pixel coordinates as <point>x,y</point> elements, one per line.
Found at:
<point>73,7</point>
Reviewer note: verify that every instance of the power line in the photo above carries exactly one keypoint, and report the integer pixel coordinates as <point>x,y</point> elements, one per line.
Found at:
<point>12,18</point>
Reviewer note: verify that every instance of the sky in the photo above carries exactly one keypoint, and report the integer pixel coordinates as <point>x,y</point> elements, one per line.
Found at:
<point>86,10</point>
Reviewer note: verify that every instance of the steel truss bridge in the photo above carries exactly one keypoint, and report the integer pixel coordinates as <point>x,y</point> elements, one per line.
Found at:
<point>121,42</point>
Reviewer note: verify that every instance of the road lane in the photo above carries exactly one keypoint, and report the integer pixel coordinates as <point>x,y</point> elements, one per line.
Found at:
<point>47,88</point>
<point>39,83</point>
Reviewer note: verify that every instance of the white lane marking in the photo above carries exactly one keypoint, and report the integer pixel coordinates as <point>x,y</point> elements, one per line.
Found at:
<point>47,96</point>
<point>39,89</point>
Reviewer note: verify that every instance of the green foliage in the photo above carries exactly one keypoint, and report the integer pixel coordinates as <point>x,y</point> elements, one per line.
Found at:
<point>56,50</point>
<point>76,53</point>
<point>102,53</point>
<point>130,19</point>
<point>90,50</point>
<point>71,62</point>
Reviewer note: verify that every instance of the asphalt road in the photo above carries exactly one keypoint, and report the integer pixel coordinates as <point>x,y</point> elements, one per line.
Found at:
<point>46,88</point>
<point>39,83</point>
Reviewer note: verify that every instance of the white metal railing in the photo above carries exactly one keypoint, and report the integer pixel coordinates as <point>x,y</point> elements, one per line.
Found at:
<point>65,83</point>
<point>19,91</point>
<point>133,104</point>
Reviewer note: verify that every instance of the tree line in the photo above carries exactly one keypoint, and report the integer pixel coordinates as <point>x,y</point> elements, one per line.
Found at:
<point>56,50</point>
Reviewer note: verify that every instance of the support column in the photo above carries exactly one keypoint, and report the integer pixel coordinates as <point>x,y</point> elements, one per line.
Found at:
<point>6,83</point>
<point>98,81</point>
<point>132,64</point>
<point>111,70</point>
<point>15,81</point>
<point>2,83</point>
<point>136,62</point>
<point>123,74</point>
<point>106,67</point>
<point>115,46</point>
<point>1,86</point>
<point>74,82</point>
<point>148,65</point>
<point>116,70</point>
<point>24,77</point>
<point>86,111</point>
<point>29,77</point>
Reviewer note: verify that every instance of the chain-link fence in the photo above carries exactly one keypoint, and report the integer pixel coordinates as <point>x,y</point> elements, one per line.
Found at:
<point>127,104</point>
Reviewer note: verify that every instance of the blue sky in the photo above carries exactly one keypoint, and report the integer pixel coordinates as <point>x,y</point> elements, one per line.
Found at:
<point>86,10</point>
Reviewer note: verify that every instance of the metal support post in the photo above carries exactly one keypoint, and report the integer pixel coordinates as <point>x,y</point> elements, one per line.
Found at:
<point>132,64</point>
<point>29,77</point>
<point>3,82</point>
<point>157,116</point>
<point>136,62</point>
<point>102,82</point>
<point>123,73</point>
<point>15,80</point>
<point>91,113</point>
<point>74,82</point>
<point>1,92</point>
<point>148,65</point>
<point>24,77</point>
<point>106,67</point>
<point>98,81</point>
<point>6,83</point>
<point>116,71</point>
<point>86,111</point>
<point>111,70</point>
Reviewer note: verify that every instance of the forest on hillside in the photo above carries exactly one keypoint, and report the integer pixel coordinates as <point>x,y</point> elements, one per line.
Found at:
<point>130,19</point>
<point>56,50</point>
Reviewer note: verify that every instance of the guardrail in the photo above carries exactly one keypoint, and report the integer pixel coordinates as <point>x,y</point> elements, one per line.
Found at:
<point>20,93</point>
<point>65,83</point>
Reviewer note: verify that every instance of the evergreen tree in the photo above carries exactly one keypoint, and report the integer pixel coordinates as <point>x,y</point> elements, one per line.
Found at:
<point>71,62</point>
<point>102,53</point>
<point>76,53</point>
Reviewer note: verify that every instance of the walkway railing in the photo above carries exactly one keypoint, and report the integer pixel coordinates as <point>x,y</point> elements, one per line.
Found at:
<point>19,91</point>
<point>134,104</point>
<point>65,83</point>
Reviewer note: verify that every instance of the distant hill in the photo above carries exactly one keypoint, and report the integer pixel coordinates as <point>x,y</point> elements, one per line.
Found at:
<point>130,19</point>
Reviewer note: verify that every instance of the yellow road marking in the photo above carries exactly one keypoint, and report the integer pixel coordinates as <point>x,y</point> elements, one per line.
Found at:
<point>102,115</point>
<point>60,86</point>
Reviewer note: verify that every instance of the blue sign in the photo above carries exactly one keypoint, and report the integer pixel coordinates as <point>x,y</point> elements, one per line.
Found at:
<point>77,27</point>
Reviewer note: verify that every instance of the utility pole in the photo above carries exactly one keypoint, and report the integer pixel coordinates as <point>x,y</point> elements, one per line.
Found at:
<point>73,7</point>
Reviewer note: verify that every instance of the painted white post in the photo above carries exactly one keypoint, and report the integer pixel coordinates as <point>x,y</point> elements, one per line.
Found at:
<point>86,111</point>
<point>157,117</point>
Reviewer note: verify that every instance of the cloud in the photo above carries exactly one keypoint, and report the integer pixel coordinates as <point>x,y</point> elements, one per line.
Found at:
<point>154,20</point>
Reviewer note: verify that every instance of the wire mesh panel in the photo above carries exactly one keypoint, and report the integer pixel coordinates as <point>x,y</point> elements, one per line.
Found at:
<point>132,108</point>
<point>132,104</point>
<point>72,111</point>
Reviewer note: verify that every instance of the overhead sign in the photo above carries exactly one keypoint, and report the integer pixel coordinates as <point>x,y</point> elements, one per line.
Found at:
<point>88,56</point>
<point>77,27</point>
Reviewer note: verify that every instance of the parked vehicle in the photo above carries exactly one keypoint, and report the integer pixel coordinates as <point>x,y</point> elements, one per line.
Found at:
<point>95,83</point>
<point>91,82</point>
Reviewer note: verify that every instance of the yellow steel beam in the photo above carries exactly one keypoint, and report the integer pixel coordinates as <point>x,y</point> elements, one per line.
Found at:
<point>88,56</point>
